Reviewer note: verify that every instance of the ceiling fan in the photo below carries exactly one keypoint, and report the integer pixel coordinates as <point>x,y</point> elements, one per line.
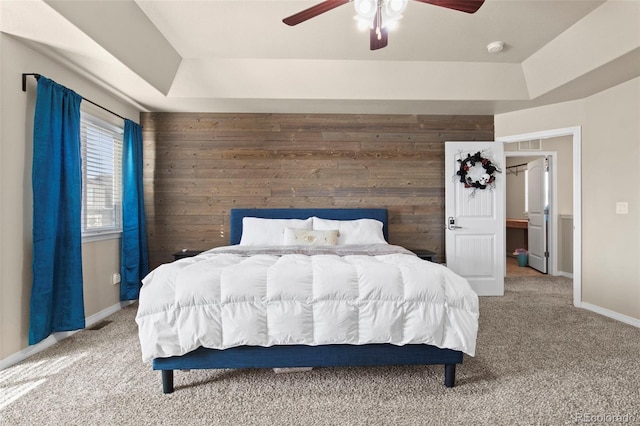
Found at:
<point>379,15</point>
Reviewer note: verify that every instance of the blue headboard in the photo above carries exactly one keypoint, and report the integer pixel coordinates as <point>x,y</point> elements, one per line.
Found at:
<point>335,214</point>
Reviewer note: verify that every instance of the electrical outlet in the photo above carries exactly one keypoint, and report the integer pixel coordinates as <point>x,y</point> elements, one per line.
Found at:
<point>622,207</point>
<point>115,279</point>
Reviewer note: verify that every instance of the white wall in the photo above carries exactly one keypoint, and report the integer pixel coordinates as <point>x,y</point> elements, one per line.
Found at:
<point>610,157</point>
<point>515,190</point>
<point>100,259</point>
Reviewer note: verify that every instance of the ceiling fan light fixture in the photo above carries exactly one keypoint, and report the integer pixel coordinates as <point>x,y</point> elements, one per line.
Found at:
<point>390,13</point>
<point>363,24</point>
<point>395,7</point>
<point>365,8</point>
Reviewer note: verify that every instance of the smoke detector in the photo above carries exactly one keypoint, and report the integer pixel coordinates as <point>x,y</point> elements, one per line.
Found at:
<point>495,47</point>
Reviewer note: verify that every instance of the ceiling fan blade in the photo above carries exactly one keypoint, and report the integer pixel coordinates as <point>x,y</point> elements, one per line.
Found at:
<point>313,11</point>
<point>376,42</point>
<point>469,6</point>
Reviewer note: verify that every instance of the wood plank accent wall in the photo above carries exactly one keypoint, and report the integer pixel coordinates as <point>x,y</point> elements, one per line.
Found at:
<point>197,166</point>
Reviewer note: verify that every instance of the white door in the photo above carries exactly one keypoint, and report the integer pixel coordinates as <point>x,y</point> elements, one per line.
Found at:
<point>474,217</point>
<point>537,202</point>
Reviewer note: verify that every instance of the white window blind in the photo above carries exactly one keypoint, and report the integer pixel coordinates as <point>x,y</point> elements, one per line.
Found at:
<point>101,175</point>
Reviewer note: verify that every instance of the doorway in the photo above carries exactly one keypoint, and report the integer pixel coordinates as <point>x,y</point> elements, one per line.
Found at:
<point>572,142</point>
<point>528,210</point>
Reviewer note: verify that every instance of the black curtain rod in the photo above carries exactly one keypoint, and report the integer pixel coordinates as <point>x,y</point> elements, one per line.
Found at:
<point>37,76</point>
<point>517,165</point>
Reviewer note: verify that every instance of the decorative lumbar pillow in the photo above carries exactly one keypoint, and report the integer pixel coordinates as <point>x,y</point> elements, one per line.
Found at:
<point>305,237</point>
<point>359,231</point>
<point>269,232</point>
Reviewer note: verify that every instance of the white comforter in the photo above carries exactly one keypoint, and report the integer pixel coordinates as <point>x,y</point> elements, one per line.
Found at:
<point>234,296</point>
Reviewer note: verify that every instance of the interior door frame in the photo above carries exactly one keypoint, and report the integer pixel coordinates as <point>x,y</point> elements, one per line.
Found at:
<point>576,134</point>
<point>552,238</point>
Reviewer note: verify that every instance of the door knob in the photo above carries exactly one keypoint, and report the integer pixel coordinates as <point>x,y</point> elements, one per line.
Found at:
<point>451,224</point>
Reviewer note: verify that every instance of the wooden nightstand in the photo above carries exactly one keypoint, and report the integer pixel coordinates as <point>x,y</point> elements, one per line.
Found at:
<point>185,253</point>
<point>425,254</point>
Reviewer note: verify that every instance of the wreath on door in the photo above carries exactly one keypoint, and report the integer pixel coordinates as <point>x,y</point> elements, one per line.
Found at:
<point>485,177</point>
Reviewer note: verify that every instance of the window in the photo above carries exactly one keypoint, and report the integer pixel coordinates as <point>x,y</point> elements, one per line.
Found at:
<point>101,145</point>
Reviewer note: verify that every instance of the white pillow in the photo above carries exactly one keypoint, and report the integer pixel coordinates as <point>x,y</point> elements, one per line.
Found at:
<point>268,232</point>
<point>359,231</point>
<point>305,237</point>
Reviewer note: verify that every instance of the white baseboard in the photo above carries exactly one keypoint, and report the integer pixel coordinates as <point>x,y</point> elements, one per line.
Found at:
<point>56,337</point>
<point>107,312</point>
<point>611,314</point>
<point>565,274</point>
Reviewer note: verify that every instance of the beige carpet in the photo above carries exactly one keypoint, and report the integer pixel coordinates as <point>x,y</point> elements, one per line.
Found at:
<point>539,361</point>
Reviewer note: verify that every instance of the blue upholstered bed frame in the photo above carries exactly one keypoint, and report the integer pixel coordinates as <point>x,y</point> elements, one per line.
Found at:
<point>303,355</point>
